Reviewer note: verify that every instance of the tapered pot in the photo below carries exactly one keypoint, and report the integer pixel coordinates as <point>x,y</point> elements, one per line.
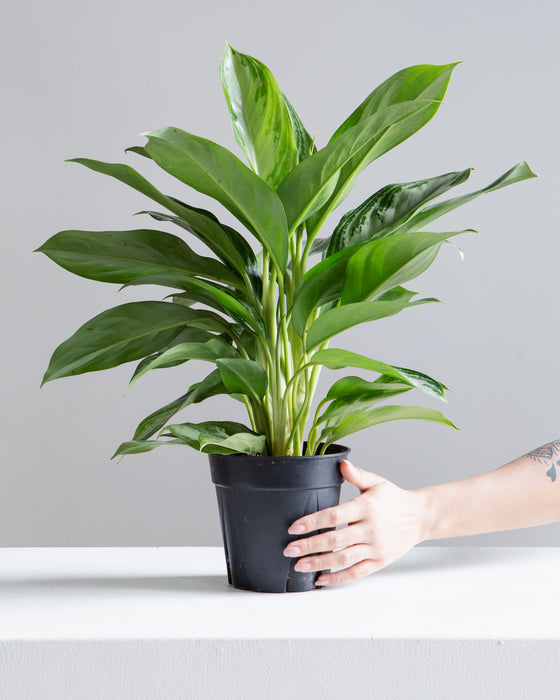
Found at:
<point>258,499</point>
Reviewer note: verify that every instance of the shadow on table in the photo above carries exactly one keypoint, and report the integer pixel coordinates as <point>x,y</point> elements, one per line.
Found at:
<point>179,584</point>
<point>437,558</point>
<point>433,558</point>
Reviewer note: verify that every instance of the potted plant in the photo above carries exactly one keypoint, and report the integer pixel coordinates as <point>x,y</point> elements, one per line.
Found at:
<point>264,316</point>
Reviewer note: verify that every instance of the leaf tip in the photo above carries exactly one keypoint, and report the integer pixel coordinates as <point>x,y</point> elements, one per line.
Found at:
<point>117,454</point>
<point>530,172</point>
<point>47,377</point>
<point>151,134</point>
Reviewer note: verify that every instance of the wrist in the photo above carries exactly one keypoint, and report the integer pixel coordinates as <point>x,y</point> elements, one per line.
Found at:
<point>428,513</point>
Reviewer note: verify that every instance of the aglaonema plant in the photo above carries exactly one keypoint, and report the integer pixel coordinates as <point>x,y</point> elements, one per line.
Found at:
<point>264,317</point>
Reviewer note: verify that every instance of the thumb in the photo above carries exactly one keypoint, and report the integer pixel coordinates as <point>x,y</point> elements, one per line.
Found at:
<point>359,477</point>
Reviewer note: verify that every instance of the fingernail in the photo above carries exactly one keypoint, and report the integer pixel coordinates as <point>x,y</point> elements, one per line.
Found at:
<point>291,551</point>
<point>302,566</point>
<point>321,582</point>
<point>296,529</point>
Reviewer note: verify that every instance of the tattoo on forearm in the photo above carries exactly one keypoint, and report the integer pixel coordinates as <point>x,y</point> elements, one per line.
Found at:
<point>548,455</point>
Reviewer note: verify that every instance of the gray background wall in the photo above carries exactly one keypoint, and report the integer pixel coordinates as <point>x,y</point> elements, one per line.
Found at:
<point>85,79</point>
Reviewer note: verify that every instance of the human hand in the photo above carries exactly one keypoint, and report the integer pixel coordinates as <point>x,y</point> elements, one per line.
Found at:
<point>384,522</point>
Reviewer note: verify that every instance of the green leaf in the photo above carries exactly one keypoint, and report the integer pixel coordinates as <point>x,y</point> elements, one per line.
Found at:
<point>382,414</point>
<point>223,299</point>
<point>216,172</point>
<point>200,223</point>
<point>334,321</point>
<point>305,144</point>
<point>208,351</point>
<point>319,245</point>
<point>188,335</point>
<point>214,321</point>
<point>320,284</point>
<point>260,118</point>
<point>334,358</point>
<point>414,85</point>
<point>311,183</point>
<point>350,387</point>
<point>364,396</point>
<point>219,243</point>
<point>139,150</point>
<point>128,256</point>
<point>203,318</point>
<point>244,443</point>
<point>135,447</point>
<point>248,342</point>
<point>211,385</point>
<point>326,281</point>
<point>519,172</point>
<point>385,263</point>
<point>119,335</point>
<point>387,209</point>
<point>126,175</point>
<point>421,82</point>
<point>222,437</point>
<point>244,377</point>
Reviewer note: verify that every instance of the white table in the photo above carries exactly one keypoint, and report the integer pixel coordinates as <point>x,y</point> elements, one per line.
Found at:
<point>158,623</point>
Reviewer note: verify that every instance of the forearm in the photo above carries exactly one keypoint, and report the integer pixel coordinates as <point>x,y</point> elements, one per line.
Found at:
<point>523,493</point>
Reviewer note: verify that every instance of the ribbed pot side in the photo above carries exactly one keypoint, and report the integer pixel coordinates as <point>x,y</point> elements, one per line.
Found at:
<point>258,499</point>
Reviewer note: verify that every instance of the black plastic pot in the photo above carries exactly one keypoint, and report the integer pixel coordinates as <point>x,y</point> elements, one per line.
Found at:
<point>258,499</point>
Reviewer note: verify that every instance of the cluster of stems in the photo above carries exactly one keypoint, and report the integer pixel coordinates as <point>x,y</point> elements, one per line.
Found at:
<point>283,412</point>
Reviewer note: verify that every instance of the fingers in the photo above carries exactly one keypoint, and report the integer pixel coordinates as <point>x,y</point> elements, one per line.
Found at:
<point>348,512</point>
<point>363,568</point>
<point>326,542</point>
<point>359,477</point>
<point>353,562</point>
<point>344,558</point>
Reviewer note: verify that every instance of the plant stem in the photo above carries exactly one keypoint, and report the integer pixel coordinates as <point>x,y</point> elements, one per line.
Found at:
<point>312,439</point>
<point>250,412</point>
<point>311,386</point>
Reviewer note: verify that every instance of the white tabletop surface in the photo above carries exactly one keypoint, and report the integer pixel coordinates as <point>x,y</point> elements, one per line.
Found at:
<point>156,593</point>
